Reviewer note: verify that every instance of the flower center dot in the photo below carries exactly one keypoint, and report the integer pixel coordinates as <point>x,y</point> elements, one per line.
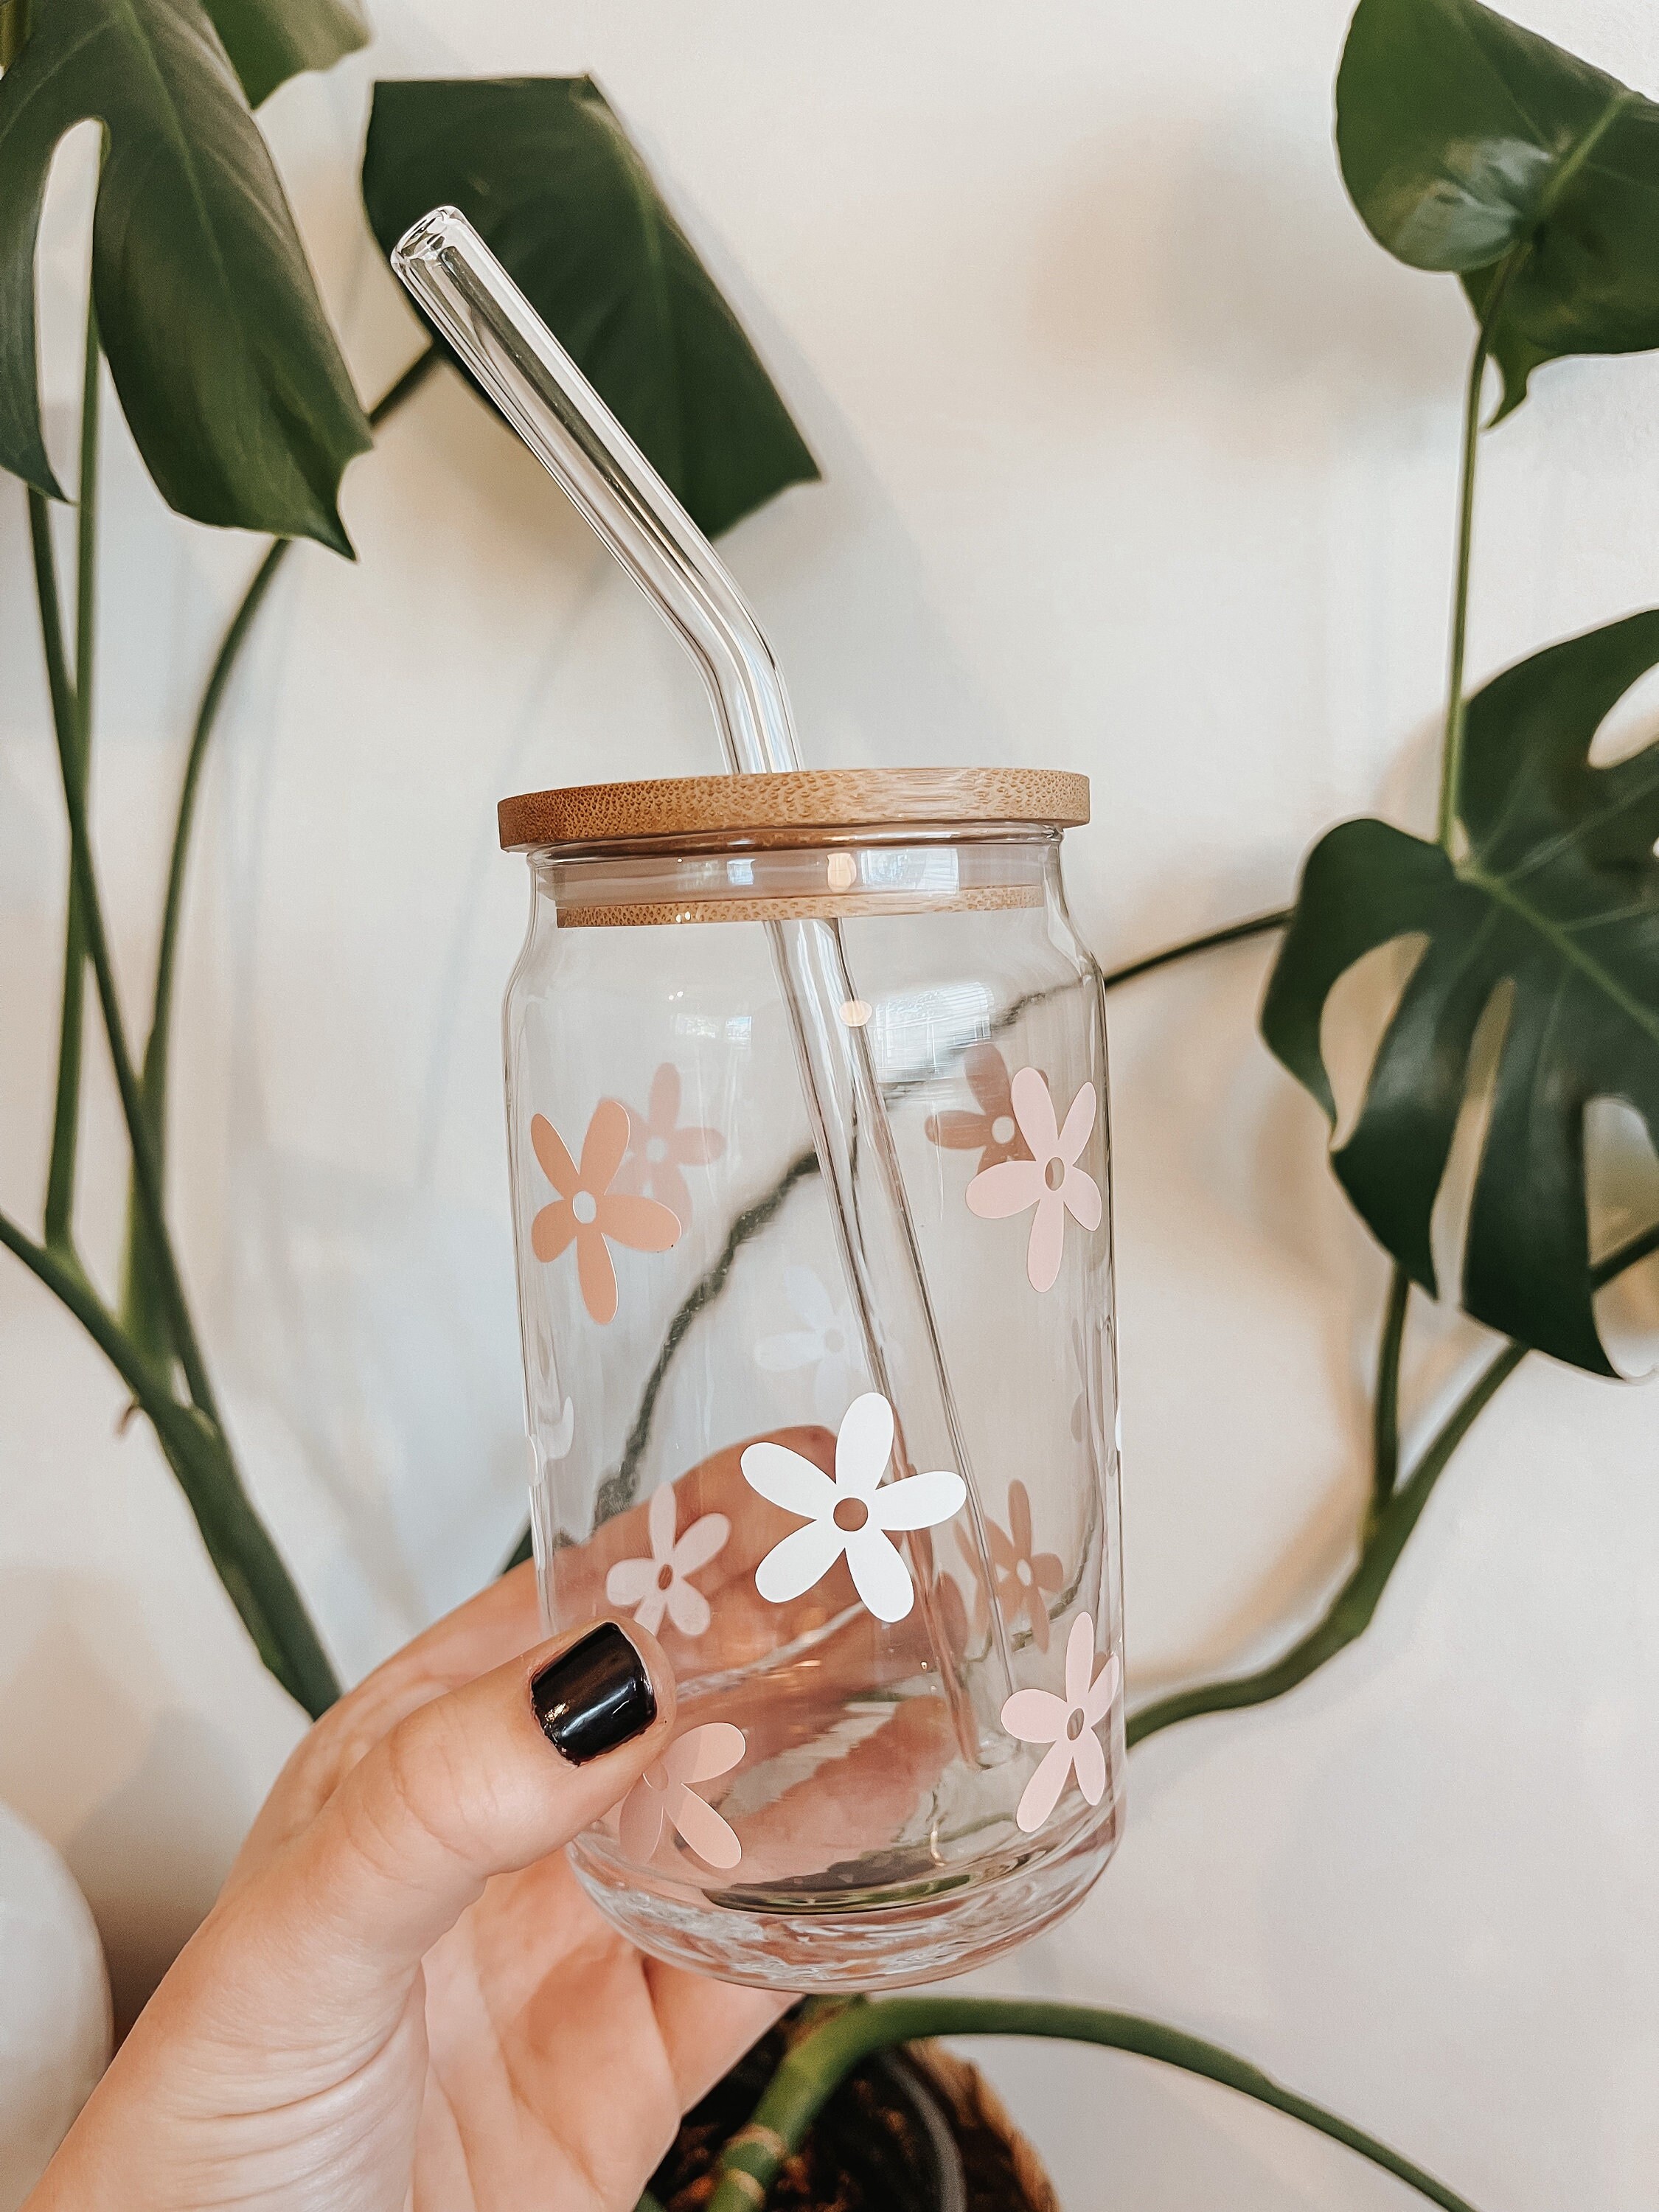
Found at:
<point>851,1514</point>
<point>1074,1724</point>
<point>1002,1129</point>
<point>1054,1174</point>
<point>665,1577</point>
<point>656,1149</point>
<point>585,1206</point>
<point>1023,1572</point>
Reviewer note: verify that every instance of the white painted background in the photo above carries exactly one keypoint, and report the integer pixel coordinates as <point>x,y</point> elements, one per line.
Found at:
<point>1139,458</point>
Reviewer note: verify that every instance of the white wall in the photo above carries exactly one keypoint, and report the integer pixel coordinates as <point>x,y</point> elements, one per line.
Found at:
<point>1140,459</point>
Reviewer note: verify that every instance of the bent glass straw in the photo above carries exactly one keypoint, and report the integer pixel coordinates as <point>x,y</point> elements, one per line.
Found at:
<point>483,316</point>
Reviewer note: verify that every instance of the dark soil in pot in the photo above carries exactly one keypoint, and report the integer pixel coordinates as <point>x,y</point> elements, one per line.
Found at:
<point>913,2130</point>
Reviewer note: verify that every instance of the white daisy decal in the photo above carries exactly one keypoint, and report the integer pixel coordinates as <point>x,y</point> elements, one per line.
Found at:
<point>852,1514</point>
<point>1051,1180</point>
<point>1067,1726</point>
<point>659,1584</point>
<point>664,1796</point>
<point>827,1342</point>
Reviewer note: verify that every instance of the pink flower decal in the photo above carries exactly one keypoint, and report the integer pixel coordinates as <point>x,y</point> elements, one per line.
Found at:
<point>1023,1578</point>
<point>664,1796</point>
<point>1067,1726</point>
<point>1050,1180</point>
<point>853,1513</point>
<point>658,1148</point>
<point>993,1133</point>
<point>659,1584</point>
<point>587,1211</point>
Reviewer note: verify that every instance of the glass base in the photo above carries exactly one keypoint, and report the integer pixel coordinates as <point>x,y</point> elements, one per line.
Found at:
<point>873,1946</point>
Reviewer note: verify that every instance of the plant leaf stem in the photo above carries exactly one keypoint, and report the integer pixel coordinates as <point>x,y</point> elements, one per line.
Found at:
<point>1451,748</point>
<point>1390,1523</point>
<point>141,1304</point>
<point>193,1437</point>
<point>240,1547</point>
<point>1451,751</point>
<point>71,1028</point>
<point>145,1171</point>
<point>821,2058</point>
<point>1257,926</point>
<point>207,717</point>
<point>1350,1611</point>
<point>1385,1404</point>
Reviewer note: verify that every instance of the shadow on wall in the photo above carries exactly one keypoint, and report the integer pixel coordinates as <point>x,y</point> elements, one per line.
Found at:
<point>149,1849</point>
<point>1261,277</point>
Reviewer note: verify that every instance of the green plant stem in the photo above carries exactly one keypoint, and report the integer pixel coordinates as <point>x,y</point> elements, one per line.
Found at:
<point>245,1561</point>
<point>65,716</point>
<point>1451,751</point>
<point>1389,1526</point>
<point>141,1302</point>
<point>821,2059</point>
<point>207,717</point>
<point>1627,1254</point>
<point>1258,926</point>
<point>1385,1406</point>
<point>1350,1611</point>
<point>85,528</point>
<point>145,1171</point>
<point>71,1028</point>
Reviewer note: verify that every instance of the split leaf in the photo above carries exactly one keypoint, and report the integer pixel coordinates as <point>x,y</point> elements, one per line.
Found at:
<point>221,354</point>
<point>544,171</point>
<point>1471,145</point>
<point>1557,900</point>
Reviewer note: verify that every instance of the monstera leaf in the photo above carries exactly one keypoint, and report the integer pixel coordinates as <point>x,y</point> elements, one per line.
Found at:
<point>1558,899</point>
<point>1469,144</point>
<point>271,41</point>
<point>223,357</point>
<point>546,172</point>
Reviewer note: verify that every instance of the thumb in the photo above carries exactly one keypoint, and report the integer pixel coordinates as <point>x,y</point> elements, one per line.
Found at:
<point>481,1782</point>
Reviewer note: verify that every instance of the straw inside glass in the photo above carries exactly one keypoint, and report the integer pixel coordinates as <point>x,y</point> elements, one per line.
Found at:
<point>487,320</point>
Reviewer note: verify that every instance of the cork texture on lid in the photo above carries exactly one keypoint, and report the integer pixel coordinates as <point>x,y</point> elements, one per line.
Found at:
<point>794,806</point>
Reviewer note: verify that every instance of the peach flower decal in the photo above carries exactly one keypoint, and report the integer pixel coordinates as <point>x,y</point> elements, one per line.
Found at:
<point>1067,1726</point>
<point>658,1148</point>
<point>1050,1180</point>
<point>993,1133</point>
<point>659,1584</point>
<point>851,1514</point>
<point>1022,1577</point>
<point>664,1796</point>
<point>587,1211</point>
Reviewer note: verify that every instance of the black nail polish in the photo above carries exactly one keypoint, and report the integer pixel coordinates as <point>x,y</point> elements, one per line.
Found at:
<point>594,1696</point>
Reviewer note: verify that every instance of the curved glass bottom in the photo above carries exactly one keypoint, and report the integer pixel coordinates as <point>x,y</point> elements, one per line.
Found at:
<point>871,1947</point>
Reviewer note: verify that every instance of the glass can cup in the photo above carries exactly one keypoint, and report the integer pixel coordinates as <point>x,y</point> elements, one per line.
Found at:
<point>807,1106</point>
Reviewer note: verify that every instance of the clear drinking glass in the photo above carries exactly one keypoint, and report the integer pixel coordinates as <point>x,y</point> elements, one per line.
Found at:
<point>895,1626</point>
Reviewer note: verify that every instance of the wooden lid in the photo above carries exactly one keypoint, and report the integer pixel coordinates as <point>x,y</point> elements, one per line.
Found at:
<point>793,808</point>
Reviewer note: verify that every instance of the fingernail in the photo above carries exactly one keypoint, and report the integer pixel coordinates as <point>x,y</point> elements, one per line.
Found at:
<point>594,1696</point>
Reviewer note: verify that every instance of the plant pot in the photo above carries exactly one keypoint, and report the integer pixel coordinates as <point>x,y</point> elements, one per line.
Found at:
<point>916,2129</point>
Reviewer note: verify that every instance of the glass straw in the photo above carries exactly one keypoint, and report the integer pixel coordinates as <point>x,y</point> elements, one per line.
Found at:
<point>483,316</point>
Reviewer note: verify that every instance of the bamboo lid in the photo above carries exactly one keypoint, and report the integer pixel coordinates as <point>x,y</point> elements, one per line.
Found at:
<point>796,807</point>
